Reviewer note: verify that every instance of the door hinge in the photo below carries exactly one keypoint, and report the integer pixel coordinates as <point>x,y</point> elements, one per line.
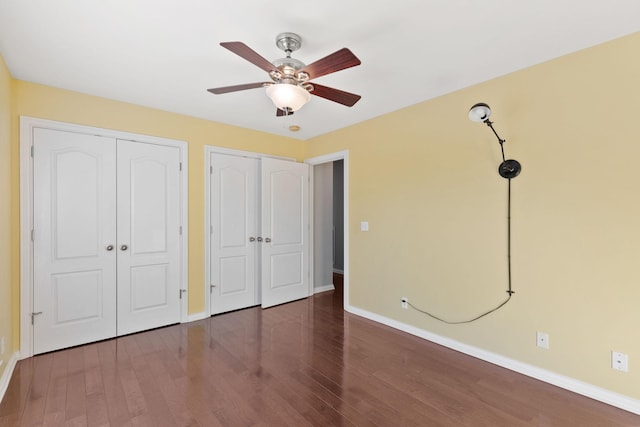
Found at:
<point>211,288</point>
<point>180,231</point>
<point>211,170</point>
<point>33,235</point>
<point>33,315</point>
<point>180,166</point>
<point>32,151</point>
<point>182,291</point>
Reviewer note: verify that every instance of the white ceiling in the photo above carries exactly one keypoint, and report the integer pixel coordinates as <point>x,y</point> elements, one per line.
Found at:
<point>165,53</point>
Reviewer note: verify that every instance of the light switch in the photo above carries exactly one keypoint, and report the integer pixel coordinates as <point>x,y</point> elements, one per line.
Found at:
<point>364,226</point>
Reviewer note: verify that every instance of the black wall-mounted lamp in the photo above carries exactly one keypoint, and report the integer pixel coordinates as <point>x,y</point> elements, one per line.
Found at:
<point>481,112</point>
<point>508,169</point>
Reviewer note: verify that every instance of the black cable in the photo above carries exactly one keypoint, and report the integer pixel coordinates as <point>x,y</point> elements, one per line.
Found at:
<point>461,321</point>
<point>509,291</point>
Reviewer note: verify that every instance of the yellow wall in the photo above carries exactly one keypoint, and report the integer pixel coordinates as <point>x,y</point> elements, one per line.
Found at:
<point>426,180</point>
<point>5,214</point>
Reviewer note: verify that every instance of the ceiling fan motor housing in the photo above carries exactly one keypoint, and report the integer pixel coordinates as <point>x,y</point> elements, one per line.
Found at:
<point>291,63</point>
<point>289,42</point>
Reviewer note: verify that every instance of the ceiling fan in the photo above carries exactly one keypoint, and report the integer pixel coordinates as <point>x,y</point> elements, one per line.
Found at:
<point>290,87</point>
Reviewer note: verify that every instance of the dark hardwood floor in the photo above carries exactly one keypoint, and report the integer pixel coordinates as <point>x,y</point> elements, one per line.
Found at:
<point>305,363</point>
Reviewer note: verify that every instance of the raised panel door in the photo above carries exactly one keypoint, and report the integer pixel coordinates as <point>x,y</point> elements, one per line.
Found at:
<point>285,229</point>
<point>149,243</point>
<point>234,236</point>
<point>74,293</point>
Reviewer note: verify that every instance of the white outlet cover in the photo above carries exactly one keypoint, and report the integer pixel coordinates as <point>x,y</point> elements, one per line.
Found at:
<point>542,340</point>
<point>619,361</point>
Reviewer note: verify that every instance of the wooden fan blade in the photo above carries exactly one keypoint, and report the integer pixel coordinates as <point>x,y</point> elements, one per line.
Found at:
<point>335,95</point>
<point>337,61</point>
<point>282,113</point>
<point>249,54</point>
<point>227,89</point>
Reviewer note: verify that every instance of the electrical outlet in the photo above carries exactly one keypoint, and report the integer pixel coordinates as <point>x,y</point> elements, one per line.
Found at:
<point>542,340</point>
<point>619,361</point>
<point>405,302</point>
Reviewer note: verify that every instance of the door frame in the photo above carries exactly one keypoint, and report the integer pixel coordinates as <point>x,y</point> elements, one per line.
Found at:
<point>208,150</point>
<point>330,158</point>
<point>27,124</point>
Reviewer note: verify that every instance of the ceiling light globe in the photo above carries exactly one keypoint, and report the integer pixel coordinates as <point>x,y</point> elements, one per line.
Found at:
<point>288,96</point>
<point>480,112</point>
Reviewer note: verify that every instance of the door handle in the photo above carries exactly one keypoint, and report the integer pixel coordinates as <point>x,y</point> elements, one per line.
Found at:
<point>124,247</point>
<point>259,239</point>
<point>267,240</point>
<point>109,247</point>
<point>252,239</point>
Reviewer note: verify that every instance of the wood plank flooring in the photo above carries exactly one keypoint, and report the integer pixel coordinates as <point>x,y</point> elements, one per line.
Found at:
<point>305,363</point>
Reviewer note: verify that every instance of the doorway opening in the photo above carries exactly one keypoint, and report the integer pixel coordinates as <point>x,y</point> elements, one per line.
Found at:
<point>330,225</point>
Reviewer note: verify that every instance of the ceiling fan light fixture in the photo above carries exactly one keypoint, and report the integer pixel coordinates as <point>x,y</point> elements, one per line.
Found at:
<point>290,88</point>
<point>287,96</point>
<point>480,112</point>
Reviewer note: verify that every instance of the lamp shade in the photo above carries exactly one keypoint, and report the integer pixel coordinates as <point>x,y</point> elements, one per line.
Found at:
<point>479,112</point>
<point>288,96</point>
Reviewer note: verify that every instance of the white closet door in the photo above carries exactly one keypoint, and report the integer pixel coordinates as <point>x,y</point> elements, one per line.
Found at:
<point>234,238</point>
<point>149,241</point>
<point>74,294</point>
<point>285,229</point>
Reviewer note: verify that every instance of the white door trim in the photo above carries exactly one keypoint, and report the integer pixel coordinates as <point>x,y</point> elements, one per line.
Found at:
<point>27,124</point>
<point>332,157</point>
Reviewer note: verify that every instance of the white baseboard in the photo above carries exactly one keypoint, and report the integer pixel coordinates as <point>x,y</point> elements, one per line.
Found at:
<point>594,392</point>
<point>197,316</point>
<point>324,288</point>
<point>6,374</point>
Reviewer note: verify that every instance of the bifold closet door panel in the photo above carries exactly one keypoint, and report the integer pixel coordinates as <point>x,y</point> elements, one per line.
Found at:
<point>148,246</point>
<point>234,237</point>
<point>74,232</point>
<point>285,230</point>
